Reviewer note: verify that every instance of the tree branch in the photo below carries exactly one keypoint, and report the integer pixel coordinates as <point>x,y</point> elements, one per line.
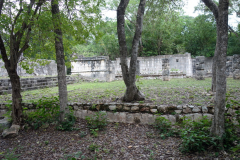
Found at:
<point>212,6</point>
<point>3,51</point>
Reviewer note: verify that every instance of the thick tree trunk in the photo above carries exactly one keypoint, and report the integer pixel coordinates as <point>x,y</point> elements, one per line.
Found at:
<point>129,73</point>
<point>221,16</point>
<point>62,85</point>
<point>17,111</point>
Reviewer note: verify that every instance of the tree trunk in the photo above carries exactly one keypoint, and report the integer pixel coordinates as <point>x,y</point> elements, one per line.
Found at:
<point>214,71</point>
<point>221,16</point>
<point>17,111</point>
<point>129,73</point>
<point>62,85</point>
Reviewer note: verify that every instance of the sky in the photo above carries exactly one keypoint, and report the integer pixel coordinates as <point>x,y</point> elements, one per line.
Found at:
<point>188,9</point>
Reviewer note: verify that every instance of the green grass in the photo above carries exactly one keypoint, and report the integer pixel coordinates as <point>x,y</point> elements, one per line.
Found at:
<point>175,91</point>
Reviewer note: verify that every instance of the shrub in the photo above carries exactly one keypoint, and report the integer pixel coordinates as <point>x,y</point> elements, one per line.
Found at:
<point>97,121</point>
<point>163,125</point>
<point>195,135</point>
<point>68,124</point>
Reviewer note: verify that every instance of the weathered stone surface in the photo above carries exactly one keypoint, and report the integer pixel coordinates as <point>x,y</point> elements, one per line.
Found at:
<point>191,106</point>
<point>209,116</point>
<point>189,116</point>
<point>4,123</point>
<point>129,118</point>
<point>112,107</point>
<point>125,108</point>
<point>134,108</point>
<point>111,117</point>
<point>153,110</point>
<point>11,132</point>
<point>144,109</point>
<point>187,110</point>
<point>196,109</point>
<point>197,117</point>
<point>185,106</point>
<point>178,111</point>
<point>147,119</point>
<point>179,107</point>
<point>204,109</point>
<point>2,112</point>
<point>119,107</point>
<point>172,119</point>
<point>231,111</point>
<point>122,117</point>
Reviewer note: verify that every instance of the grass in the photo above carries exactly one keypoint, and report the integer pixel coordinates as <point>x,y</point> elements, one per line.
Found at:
<point>175,91</point>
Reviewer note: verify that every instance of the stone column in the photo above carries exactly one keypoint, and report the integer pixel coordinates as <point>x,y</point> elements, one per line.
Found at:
<point>199,66</point>
<point>236,66</point>
<point>165,70</point>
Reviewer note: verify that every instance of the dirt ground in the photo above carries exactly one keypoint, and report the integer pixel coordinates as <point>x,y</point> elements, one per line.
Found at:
<point>118,141</point>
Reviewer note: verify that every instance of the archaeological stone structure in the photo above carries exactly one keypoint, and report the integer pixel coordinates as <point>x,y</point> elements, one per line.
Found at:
<point>100,68</point>
<point>50,69</point>
<point>178,65</point>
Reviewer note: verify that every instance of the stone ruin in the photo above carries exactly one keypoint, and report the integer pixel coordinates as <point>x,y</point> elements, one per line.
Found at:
<point>162,67</point>
<point>236,66</point>
<point>199,66</point>
<point>165,70</point>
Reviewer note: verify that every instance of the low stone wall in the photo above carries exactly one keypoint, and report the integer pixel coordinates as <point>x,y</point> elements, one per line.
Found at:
<point>32,83</point>
<point>136,112</point>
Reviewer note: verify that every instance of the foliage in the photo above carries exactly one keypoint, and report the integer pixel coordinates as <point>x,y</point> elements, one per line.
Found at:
<point>97,121</point>
<point>195,135</point>
<point>93,147</point>
<point>163,125</point>
<point>10,155</point>
<point>68,123</point>
<point>47,112</point>
<point>74,156</point>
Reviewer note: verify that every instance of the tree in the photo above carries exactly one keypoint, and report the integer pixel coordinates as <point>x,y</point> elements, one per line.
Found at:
<point>220,13</point>
<point>16,31</point>
<point>129,73</point>
<point>62,84</point>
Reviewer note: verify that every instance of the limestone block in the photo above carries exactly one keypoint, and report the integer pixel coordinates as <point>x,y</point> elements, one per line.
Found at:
<point>134,108</point>
<point>144,109</point>
<point>187,110</point>
<point>172,119</point>
<point>209,116</point>
<point>125,108</point>
<point>11,132</point>
<point>129,118</point>
<point>84,114</point>
<point>178,111</point>
<point>122,117</point>
<point>119,107</point>
<point>191,106</point>
<point>190,116</point>
<point>112,107</point>
<point>111,117</point>
<point>147,119</point>
<point>236,74</point>
<point>4,123</point>
<point>204,109</point>
<point>2,112</point>
<point>78,113</point>
<point>197,117</point>
<point>153,110</point>
<point>180,107</point>
<point>196,109</point>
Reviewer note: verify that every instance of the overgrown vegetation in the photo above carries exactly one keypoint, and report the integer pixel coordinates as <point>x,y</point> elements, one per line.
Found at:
<point>47,112</point>
<point>96,122</point>
<point>196,137</point>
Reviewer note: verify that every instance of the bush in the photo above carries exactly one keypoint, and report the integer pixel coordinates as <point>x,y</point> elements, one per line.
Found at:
<point>195,135</point>
<point>97,121</point>
<point>68,124</point>
<point>47,112</point>
<point>163,125</point>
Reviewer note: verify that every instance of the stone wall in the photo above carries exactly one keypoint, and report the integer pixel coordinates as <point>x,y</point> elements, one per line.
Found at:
<point>47,70</point>
<point>153,65</point>
<point>100,68</point>
<point>32,83</point>
<point>136,112</point>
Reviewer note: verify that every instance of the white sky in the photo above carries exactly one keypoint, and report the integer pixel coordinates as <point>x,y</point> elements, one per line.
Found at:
<point>188,9</point>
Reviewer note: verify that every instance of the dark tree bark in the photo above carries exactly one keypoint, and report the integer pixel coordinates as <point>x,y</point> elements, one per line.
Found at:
<point>62,84</point>
<point>129,73</point>
<point>17,47</point>
<point>221,16</point>
<point>1,6</point>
